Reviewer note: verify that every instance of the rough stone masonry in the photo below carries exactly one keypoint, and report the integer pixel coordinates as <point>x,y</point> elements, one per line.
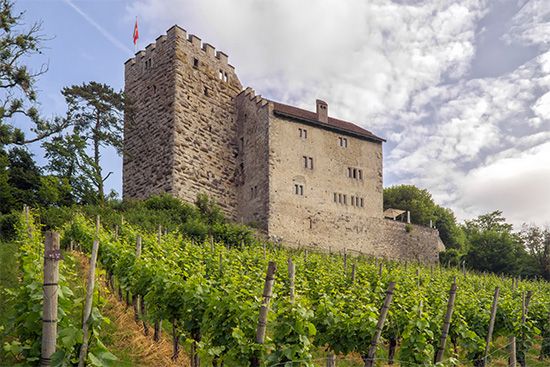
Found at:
<point>301,177</point>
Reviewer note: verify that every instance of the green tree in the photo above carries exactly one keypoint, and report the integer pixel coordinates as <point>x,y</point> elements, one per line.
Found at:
<point>494,247</point>
<point>96,113</point>
<point>537,242</point>
<point>17,80</point>
<point>423,209</point>
<point>23,177</point>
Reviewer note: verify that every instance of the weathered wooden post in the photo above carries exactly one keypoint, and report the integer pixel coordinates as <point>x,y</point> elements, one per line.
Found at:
<point>159,234</point>
<point>491,326</point>
<point>446,324</point>
<point>291,271</point>
<point>331,359</point>
<point>369,362</point>
<point>353,273</point>
<point>345,263</point>
<point>52,255</point>
<point>28,220</point>
<point>262,319</point>
<point>88,304</point>
<point>135,297</point>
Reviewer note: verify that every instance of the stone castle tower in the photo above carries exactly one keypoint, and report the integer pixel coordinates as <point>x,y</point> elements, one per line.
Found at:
<point>302,177</point>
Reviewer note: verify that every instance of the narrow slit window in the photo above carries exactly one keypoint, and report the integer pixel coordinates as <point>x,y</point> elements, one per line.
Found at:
<point>345,199</point>
<point>335,197</point>
<point>225,77</point>
<point>360,174</point>
<point>220,75</point>
<point>361,202</point>
<point>195,62</point>
<point>354,173</point>
<point>206,91</point>
<point>352,200</point>
<point>310,163</point>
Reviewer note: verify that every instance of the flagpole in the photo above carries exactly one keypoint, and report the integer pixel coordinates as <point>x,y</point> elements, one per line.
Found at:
<point>137,40</point>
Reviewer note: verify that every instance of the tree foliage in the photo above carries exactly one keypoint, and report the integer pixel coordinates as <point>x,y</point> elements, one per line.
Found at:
<point>95,113</point>
<point>18,95</point>
<point>423,209</point>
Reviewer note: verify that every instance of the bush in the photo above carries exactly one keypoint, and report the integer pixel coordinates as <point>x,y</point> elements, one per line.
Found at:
<point>8,224</point>
<point>232,234</point>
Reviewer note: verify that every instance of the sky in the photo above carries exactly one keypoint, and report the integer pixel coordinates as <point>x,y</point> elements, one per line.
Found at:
<point>459,88</point>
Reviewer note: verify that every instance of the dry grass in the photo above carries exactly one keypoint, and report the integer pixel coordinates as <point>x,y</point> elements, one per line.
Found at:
<point>127,336</point>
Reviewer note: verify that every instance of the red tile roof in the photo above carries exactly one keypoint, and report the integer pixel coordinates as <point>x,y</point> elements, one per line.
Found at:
<point>333,124</point>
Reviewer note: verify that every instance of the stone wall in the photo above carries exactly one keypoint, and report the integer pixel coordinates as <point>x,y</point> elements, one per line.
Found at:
<point>252,178</point>
<point>374,236</point>
<point>149,87</point>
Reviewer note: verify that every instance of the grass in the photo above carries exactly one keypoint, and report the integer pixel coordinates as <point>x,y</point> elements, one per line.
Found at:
<point>9,279</point>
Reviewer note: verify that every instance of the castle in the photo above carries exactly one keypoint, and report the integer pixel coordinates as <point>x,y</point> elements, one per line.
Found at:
<point>301,177</point>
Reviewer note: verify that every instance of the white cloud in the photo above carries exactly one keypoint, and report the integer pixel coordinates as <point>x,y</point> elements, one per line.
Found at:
<point>402,70</point>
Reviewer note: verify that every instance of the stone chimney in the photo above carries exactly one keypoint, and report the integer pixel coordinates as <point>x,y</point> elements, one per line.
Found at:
<point>322,111</point>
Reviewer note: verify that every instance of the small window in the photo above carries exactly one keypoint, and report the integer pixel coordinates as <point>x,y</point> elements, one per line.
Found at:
<point>299,189</point>
<point>335,197</point>
<point>302,133</point>
<point>206,91</point>
<point>195,62</point>
<point>220,75</point>
<point>343,142</point>
<point>225,77</point>
<point>352,200</point>
<point>339,198</point>
<point>349,171</point>
<point>354,173</point>
<point>361,203</point>
<point>308,162</point>
<point>345,199</point>
<point>360,174</point>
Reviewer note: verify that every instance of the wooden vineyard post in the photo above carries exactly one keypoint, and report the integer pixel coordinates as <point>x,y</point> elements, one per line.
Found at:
<point>512,358</point>
<point>305,256</point>
<point>88,304</point>
<point>491,326</point>
<point>353,273</point>
<point>212,244</point>
<point>380,269</point>
<point>525,300</point>
<point>135,297</point>
<point>265,251</point>
<point>291,271</point>
<point>28,220</point>
<point>331,360</point>
<point>116,232</point>
<point>446,324</point>
<point>159,234</point>
<point>345,263</point>
<point>369,362</point>
<point>52,255</point>
<point>221,264</point>
<point>262,319</point>
<point>157,330</point>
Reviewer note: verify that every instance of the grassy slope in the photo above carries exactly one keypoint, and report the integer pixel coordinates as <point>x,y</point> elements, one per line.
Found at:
<point>8,280</point>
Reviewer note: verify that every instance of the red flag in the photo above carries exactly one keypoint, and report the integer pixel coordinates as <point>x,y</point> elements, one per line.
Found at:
<point>136,33</point>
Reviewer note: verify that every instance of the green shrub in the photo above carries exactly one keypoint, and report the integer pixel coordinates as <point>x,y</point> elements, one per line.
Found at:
<point>8,223</point>
<point>232,234</point>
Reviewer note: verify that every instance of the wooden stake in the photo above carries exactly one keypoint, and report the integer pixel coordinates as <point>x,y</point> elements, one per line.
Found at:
<point>158,330</point>
<point>116,232</point>
<point>380,269</point>
<point>52,255</point>
<point>138,246</point>
<point>88,304</point>
<point>353,273</point>
<point>97,226</point>
<point>345,263</point>
<point>291,271</point>
<point>512,358</point>
<point>369,362</point>
<point>446,324</point>
<point>262,319</point>
<point>491,326</point>
<point>159,235</point>
<point>28,220</point>
<point>265,251</point>
<point>331,359</point>
<point>135,297</point>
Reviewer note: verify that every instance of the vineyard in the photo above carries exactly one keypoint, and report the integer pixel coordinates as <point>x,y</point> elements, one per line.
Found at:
<point>232,304</point>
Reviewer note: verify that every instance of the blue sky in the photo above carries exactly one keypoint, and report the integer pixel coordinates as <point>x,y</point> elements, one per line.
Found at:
<point>461,89</point>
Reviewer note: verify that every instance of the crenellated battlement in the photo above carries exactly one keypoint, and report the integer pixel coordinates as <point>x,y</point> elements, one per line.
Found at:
<point>195,42</point>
